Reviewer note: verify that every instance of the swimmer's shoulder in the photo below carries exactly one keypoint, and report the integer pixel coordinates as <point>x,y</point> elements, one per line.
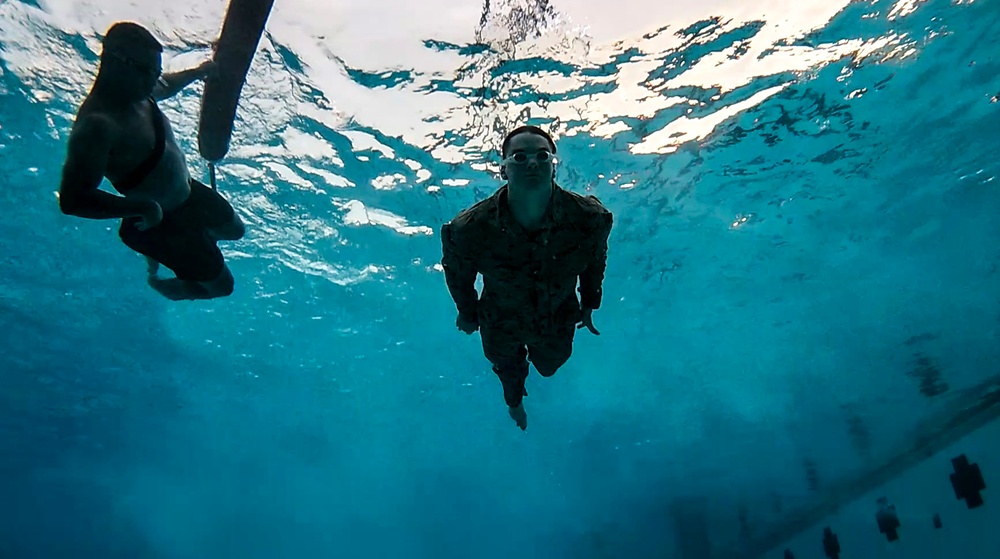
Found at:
<point>474,216</point>
<point>93,123</point>
<point>587,209</point>
<point>470,227</point>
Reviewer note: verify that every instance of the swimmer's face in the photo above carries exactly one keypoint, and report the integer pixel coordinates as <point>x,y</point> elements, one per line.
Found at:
<point>135,69</point>
<point>529,162</point>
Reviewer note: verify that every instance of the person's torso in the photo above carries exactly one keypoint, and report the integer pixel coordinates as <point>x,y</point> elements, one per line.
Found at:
<point>533,275</point>
<point>168,182</point>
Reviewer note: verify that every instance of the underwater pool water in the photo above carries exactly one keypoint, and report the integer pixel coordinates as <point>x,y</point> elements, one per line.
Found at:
<point>803,269</point>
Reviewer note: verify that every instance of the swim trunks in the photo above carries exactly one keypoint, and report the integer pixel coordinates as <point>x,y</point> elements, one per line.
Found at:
<point>182,241</point>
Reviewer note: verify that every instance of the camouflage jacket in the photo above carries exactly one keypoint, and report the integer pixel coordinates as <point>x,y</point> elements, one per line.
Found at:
<point>528,278</point>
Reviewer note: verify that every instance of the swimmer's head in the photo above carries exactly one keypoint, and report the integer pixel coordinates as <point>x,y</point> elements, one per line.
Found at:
<point>528,129</point>
<point>528,158</point>
<point>131,58</point>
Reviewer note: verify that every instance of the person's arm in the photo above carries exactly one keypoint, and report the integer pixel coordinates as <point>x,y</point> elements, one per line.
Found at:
<point>83,171</point>
<point>171,84</point>
<point>592,278</point>
<point>460,273</point>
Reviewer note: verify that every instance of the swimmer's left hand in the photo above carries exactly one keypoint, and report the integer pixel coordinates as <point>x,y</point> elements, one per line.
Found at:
<point>588,320</point>
<point>209,69</point>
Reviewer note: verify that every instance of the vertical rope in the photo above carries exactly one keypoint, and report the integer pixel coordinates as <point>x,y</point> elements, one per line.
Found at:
<point>211,170</point>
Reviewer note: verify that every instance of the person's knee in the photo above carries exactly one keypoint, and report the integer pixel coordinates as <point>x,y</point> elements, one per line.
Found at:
<point>227,287</point>
<point>232,231</point>
<point>239,230</point>
<point>222,286</point>
<point>548,367</point>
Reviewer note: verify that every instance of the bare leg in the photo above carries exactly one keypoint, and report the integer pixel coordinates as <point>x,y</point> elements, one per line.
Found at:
<point>177,289</point>
<point>172,288</point>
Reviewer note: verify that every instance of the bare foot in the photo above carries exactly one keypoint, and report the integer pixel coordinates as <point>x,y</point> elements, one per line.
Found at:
<point>519,416</point>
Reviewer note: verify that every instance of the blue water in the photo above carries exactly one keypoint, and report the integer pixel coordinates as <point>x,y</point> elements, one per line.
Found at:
<point>787,296</point>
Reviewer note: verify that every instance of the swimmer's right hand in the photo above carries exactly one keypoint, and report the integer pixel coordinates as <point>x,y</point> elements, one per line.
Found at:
<point>151,217</point>
<point>209,69</point>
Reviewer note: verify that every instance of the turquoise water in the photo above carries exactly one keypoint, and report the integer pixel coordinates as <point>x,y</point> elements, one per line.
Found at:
<point>803,268</point>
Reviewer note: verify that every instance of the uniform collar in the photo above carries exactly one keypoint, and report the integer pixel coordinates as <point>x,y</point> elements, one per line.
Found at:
<point>554,214</point>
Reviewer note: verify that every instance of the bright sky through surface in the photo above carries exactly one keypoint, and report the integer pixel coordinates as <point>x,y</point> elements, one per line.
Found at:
<point>383,36</point>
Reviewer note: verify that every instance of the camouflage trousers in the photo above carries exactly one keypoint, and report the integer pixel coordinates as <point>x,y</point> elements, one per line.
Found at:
<point>510,348</point>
